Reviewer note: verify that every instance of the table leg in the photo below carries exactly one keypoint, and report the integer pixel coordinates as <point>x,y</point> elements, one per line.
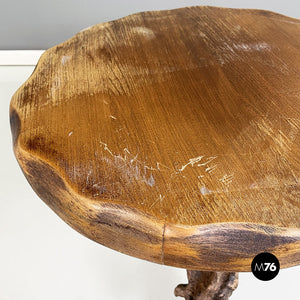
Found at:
<point>204,285</point>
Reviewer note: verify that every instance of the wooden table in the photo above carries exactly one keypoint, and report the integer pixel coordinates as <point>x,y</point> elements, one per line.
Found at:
<point>172,136</point>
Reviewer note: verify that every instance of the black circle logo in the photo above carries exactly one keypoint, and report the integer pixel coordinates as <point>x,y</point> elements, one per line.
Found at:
<point>265,266</point>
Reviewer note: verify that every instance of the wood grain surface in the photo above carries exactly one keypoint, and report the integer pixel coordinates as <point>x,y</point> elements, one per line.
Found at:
<point>172,136</point>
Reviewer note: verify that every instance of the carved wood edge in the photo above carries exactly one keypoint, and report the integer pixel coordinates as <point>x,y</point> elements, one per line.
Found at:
<point>129,231</point>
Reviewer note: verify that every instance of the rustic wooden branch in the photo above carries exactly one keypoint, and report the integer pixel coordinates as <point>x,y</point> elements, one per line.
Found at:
<point>207,285</point>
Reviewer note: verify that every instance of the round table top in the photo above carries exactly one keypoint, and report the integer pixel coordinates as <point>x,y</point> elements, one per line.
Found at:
<point>172,136</point>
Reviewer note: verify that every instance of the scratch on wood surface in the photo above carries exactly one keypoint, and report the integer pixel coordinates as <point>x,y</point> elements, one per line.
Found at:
<point>106,148</point>
<point>227,179</point>
<point>133,166</point>
<point>203,163</point>
<point>210,169</point>
<point>55,86</point>
<point>131,160</point>
<point>150,181</point>
<point>282,140</point>
<point>65,58</point>
<point>295,128</point>
<point>252,46</point>
<point>209,159</point>
<point>144,31</point>
<point>158,200</point>
<point>161,167</point>
<point>191,162</point>
<point>204,190</point>
<point>87,181</point>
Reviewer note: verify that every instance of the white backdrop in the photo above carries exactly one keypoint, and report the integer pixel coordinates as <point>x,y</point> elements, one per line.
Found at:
<point>35,24</point>
<point>42,258</point>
